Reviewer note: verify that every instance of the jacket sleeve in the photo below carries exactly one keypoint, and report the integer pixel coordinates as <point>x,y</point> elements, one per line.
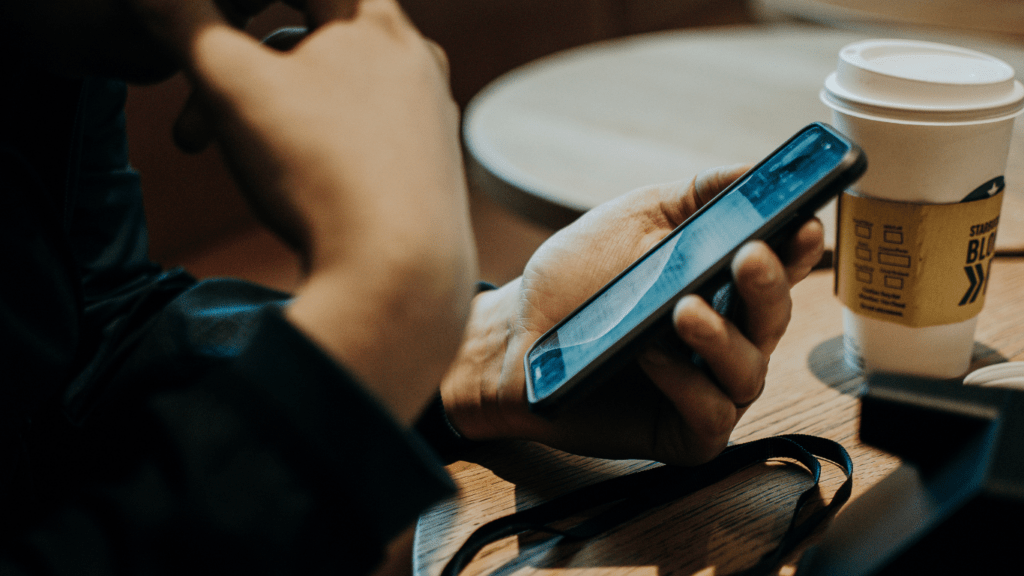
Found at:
<point>199,432</point>
<point>274,462</point>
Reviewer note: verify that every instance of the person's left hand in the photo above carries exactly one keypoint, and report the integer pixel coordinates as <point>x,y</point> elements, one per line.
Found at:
<point>670,411</point>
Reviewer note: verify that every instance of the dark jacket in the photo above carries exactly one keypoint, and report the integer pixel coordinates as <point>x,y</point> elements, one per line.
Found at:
<point>153,424</point>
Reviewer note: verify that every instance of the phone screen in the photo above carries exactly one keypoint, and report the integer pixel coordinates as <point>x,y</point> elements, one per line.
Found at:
<point>656,280</point>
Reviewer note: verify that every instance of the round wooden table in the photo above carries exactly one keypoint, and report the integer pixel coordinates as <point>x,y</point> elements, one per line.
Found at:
<point>559,136</point>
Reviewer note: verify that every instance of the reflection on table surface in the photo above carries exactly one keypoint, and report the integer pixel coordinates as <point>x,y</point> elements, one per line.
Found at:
<point>727,527</point>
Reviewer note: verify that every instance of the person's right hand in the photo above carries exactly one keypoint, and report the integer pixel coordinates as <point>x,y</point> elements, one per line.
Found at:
<point>347,145</point>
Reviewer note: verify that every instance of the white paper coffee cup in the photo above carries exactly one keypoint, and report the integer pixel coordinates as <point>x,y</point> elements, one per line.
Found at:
<point>935,122</point>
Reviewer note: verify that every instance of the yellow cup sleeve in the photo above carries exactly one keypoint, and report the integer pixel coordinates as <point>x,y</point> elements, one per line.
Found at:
<point>915,264</point>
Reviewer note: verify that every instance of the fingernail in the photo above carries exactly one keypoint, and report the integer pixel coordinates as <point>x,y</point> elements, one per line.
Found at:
<point>764,274</point>
<point>767,276</point>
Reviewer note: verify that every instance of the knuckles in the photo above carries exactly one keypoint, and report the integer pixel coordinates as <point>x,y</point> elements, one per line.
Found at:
<point>756,384</point>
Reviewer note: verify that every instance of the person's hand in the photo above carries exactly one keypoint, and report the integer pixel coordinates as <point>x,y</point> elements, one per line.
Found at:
<point>347,145</point>
<point>671,411</point>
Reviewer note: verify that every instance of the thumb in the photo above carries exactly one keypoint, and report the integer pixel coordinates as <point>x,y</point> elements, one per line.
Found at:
<point>710,182</point>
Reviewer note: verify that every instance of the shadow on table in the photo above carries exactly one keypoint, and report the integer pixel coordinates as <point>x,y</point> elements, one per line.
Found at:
<point>826,361</point>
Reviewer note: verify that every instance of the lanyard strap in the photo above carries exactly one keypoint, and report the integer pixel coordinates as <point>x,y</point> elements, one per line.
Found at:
<point>623,498</point>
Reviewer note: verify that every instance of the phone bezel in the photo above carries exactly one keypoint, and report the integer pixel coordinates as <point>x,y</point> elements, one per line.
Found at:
<point>845,172</point>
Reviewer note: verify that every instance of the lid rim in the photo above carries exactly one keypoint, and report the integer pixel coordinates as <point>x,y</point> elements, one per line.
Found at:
<point>920,117</point>
<point>1015,98</point>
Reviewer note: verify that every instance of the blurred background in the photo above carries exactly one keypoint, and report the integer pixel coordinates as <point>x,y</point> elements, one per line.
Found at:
<point>199,220</point>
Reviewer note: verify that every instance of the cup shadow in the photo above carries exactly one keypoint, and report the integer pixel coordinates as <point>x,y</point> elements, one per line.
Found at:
<point>828,364</point>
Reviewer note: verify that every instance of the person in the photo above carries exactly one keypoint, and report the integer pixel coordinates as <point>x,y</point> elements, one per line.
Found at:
<point>155,424</point>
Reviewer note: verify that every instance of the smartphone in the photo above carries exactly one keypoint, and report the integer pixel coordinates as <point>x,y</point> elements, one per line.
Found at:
<point>769,202</point>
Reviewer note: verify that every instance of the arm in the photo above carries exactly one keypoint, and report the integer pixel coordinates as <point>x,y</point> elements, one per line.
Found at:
<point>348,147</point>
<point>279,458</point>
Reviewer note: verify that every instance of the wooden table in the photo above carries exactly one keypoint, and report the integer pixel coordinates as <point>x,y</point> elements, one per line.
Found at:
<point>565,133</point>
<point>728,526</point>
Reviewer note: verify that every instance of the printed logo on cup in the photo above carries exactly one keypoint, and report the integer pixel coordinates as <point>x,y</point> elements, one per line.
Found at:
<point>916,264</point>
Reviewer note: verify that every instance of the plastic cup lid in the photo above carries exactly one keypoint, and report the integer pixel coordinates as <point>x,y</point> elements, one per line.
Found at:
<point>897,77</point>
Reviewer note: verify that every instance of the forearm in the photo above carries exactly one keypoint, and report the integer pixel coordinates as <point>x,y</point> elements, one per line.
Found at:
<point>347,146</point>
<point>397,332</point>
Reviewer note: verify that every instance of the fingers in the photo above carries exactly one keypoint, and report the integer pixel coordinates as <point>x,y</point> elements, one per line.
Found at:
<point>736,360</point>
<point>703,418</point>
<point>219,58</point>
<point>739,358</point>
<point>677,202</point>
<point>193,129</point>
<point>763,285</point>
<point>804,251</point>
<point>736,355</point>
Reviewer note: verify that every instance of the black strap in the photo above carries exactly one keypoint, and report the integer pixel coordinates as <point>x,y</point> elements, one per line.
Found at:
<point>623,498</point>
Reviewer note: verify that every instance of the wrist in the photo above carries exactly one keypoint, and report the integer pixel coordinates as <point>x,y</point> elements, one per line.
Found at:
<point>479,388</point>
<point>398,341</point>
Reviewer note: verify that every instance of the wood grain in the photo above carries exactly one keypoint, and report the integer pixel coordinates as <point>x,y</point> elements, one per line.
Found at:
<point>727,526</point>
